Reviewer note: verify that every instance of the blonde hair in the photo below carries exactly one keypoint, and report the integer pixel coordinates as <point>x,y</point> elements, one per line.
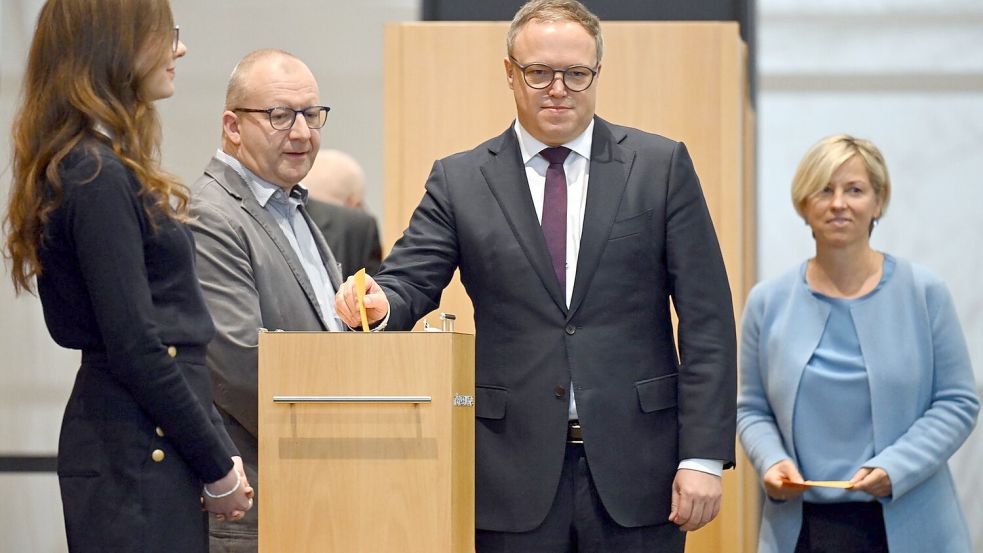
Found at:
<point>556,10</point>
<point>826,156</point>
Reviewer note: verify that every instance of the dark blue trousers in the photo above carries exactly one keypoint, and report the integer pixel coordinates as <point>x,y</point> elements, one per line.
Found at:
<point>578,523</point>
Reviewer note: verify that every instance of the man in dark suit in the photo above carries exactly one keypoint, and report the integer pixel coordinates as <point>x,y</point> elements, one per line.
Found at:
<point>337,186</point>
<point>572,234</point>
<point>261,260</point>
<point>352,235</point>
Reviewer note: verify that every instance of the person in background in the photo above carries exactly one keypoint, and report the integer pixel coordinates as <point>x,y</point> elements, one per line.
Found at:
<point>339,180</point>
<point>854,368</point>
<point>337,185</point>
<point>262,261</point>
<point>571,235</point>
<point>100,226</point>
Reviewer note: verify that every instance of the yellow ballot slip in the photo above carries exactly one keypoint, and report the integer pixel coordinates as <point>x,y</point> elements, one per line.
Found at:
<point>843,484</point>
<point>360,296</point>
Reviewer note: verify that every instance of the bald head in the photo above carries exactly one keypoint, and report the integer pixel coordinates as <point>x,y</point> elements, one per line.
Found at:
<point>263,80</point>
<point>239,82</point>
<point>336,178</point>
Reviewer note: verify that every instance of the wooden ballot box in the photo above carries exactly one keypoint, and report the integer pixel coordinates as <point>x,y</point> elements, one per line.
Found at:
<point>366,442</point>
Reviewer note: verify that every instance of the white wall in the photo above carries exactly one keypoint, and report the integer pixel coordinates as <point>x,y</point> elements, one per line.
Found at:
<point>909,76</point>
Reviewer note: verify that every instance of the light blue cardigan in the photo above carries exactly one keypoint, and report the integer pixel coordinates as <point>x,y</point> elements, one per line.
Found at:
<point>923,399</point>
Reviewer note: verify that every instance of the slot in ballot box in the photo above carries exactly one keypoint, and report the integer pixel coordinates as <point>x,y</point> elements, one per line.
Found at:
<point>366,442</point>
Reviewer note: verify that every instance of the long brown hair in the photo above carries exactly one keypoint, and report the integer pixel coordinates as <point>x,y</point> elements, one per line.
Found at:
<point>84,70</point>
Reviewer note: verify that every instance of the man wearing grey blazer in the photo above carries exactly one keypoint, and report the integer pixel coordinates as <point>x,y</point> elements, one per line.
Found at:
<point>261,260</point>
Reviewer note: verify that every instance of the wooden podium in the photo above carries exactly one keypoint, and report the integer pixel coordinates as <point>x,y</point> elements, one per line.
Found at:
<point>366,442</point>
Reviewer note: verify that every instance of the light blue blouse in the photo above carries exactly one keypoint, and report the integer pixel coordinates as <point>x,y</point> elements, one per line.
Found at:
<point>833,401</point>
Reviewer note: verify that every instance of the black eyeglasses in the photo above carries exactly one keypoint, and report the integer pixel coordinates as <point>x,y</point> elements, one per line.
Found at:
<point>576,78</point>
<point>282,118</point>
<point>177,38</point>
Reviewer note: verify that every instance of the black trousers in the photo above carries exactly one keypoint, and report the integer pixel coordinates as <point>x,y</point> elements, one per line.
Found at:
<point>842,528</point>
<point>578,523</point>
<point>115,496</point>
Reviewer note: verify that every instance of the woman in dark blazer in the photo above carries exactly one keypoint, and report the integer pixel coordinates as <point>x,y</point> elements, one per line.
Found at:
<point>97,222</point>
<point>854,368</point>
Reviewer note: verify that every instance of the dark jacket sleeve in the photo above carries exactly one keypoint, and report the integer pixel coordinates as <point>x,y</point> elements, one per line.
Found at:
<point>706,335</point>
<point>107,224</point>
<point>422,262</point>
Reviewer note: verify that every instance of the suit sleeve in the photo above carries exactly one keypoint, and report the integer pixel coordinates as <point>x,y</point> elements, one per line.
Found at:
<point>423,261</point>
<point>938,433</point>
<point>107,225</point>
<point>227,281</point>
<point>701,297</point>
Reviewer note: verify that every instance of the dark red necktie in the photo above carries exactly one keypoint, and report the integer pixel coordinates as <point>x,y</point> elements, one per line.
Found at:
<point>554,220</point>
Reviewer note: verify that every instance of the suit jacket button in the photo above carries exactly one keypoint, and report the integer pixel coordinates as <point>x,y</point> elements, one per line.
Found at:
<point>559,391</point>
<point>172,351</point>
<point>571,329</point>
<point>159,431</point>
<point>157,455</point>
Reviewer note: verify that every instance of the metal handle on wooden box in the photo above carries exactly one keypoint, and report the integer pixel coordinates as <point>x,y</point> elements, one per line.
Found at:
<point>351,399</point>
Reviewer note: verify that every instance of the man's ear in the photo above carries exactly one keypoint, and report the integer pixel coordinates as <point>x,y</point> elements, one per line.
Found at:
<point>509,75</point>
<point>230,127</point>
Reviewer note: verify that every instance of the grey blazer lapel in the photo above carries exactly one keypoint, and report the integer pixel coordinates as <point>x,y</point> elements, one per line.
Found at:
<point>229,179</point>
<point>506,177</point>
<point>610,165</point>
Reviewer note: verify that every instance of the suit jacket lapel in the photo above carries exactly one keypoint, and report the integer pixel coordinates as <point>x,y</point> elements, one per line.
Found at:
<point>506,177</point>
<point>610,165</point>
<point>229,179</point>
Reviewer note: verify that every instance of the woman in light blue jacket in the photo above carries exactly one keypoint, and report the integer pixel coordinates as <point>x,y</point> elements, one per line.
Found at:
<point>854,368</point>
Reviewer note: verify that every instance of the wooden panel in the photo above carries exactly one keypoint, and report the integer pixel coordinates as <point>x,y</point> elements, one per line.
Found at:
<point>446,92</point>
<point>366,477</point>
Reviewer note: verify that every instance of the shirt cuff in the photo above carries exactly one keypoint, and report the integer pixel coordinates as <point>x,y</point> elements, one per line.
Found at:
<point>381,325</point>
<point>709,466</point>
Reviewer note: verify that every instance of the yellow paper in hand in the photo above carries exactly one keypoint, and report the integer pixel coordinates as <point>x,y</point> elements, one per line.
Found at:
<point>843,484</point>
<point>360,296</point>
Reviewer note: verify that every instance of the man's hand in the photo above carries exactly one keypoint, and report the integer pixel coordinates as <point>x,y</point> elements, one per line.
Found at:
<point>874,481</point>
<point>783,471</point>
<point>695,499</point>
<point>346,304</point>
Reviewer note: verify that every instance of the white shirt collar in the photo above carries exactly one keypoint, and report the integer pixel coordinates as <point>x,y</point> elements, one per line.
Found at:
<point>530,147</point>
